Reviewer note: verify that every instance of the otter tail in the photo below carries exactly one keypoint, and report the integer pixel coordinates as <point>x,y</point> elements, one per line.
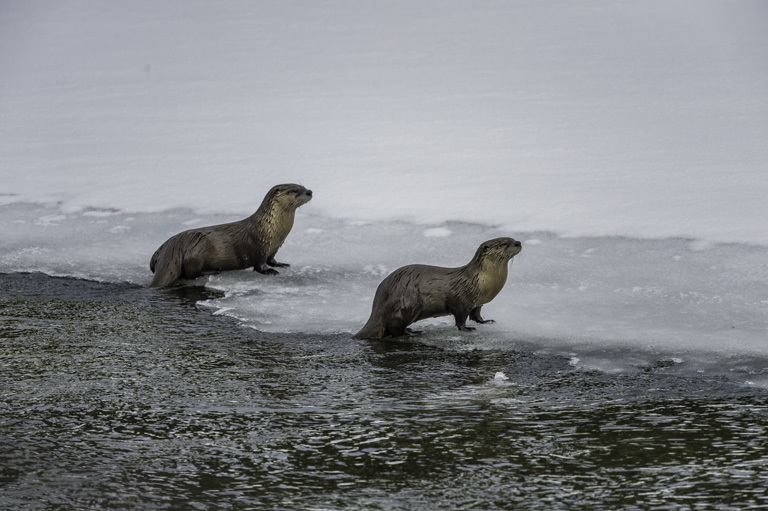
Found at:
<point>388,315</point>
<point>177,258</point>
<point>373,329</point>
<point>166,264</point>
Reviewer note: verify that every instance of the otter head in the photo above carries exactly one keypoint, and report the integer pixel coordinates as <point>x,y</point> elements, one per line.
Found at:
<point>498,250</point>
<point>288,196</point>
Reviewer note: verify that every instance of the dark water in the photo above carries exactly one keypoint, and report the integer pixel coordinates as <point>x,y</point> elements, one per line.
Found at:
<point>114,396</point>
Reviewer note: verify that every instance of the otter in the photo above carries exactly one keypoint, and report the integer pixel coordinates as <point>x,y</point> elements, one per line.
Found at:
<point>419,291</point>
<point>253,241</point>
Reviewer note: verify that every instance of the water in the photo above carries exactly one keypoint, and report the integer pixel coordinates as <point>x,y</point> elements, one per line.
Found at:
<point>115,396</point>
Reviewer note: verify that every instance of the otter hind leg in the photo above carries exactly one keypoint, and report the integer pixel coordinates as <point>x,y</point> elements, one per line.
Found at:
<point>475,316</point>
<point>396,329</point>
<point>404,312</point>
<point>192,267</point>
<point>461,321</point>
<point>396,325</point>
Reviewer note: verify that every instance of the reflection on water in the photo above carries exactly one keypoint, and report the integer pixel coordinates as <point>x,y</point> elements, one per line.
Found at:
<point>114,396</point>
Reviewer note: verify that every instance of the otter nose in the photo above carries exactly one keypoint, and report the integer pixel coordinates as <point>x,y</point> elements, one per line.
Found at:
<point>518,244</point>
<point>309,192</point>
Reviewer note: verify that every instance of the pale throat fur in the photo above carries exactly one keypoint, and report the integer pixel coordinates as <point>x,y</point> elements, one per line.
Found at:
<point>491,279</point>
<point>278,220</point>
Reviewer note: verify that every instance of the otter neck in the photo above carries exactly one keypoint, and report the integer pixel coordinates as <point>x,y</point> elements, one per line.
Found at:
<point>491,277</point>
<point>273,223</point>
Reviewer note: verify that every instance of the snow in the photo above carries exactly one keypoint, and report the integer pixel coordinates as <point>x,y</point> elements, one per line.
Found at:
<point>588,118</point>
<point>624,144</point>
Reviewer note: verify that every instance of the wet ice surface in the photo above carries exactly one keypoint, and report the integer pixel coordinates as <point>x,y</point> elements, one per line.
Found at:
<point>116,396</point>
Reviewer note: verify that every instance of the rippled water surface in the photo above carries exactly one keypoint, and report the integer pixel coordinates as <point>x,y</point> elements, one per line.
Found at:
<point>115,396</point>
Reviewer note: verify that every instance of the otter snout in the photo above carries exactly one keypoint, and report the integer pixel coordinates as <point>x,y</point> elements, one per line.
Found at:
<point>514,247</point>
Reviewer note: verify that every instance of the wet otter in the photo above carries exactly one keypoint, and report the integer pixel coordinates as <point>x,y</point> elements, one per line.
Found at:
<point>253,241</point>
<point>418,291</point>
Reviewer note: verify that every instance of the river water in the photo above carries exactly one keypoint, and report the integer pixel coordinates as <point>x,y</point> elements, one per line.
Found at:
<point>115,396</point>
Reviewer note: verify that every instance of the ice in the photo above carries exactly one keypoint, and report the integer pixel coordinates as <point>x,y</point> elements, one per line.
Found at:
<point>623,144</point>
<point>589,298</point>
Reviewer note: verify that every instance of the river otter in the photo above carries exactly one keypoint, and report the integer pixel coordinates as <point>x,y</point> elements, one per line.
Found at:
<point>252,241</point>
<point>418,291</point>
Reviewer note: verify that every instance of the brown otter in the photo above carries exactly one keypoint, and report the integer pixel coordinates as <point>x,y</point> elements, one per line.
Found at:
<point>252,241</point>
<point>419,291</point>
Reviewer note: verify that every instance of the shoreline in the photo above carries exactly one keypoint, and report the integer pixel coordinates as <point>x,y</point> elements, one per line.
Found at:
<point>745,369</point>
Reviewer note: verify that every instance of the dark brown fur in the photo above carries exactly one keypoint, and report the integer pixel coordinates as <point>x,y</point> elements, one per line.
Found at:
<point>419,291</point>
<point>253,241</point>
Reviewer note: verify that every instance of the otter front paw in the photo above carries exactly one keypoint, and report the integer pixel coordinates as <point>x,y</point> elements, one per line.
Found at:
<point>271,262</point>
<point>475,316</point>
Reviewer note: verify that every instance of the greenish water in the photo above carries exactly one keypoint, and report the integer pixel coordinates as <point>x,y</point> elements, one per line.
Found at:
<point>118,397</point>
